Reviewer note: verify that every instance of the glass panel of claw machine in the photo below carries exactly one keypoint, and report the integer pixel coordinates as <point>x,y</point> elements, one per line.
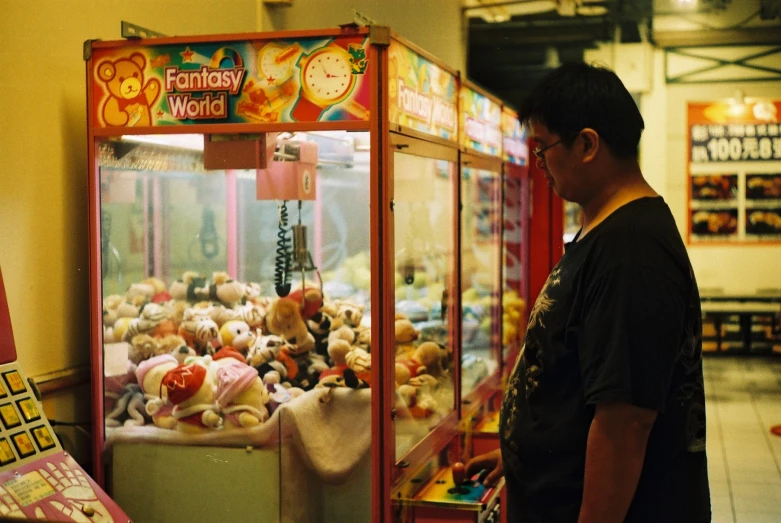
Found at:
<point>317,248</point>
<point>425,254</point>
<point>168,242</point>
<point>423,100</point>
<point>480,253</point>
<point>173,231</point>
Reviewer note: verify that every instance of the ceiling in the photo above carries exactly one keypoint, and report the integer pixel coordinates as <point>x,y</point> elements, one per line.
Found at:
<point>513,43</point>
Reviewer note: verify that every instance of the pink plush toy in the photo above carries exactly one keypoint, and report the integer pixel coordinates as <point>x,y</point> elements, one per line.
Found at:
<point>241,396</point>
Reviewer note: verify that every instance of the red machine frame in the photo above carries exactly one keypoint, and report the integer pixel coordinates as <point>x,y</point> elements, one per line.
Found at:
<point>546,231</point>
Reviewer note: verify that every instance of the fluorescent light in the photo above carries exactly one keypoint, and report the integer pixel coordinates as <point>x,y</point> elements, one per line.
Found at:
<point>531,8</point>
<point>592,10</point>
<point>192,142</point>
<point>566,7</point>
<point>498,12</point>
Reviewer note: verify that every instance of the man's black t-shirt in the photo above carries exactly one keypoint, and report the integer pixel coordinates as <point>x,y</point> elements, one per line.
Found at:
<point>617,321</point>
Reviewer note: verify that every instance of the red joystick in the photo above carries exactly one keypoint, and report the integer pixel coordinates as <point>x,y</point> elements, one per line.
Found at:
<point>459,472</point>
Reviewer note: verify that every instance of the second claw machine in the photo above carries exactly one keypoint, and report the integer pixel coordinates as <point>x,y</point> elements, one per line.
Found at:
<point>482,423</point>
<point>287,247</point>
<point>430,483</point>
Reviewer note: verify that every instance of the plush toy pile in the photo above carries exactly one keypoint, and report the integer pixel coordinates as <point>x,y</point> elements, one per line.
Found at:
<point>216,354</point>
<point>513,307</point>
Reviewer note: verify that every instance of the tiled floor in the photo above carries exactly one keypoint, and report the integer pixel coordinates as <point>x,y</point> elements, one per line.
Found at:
<point>743,402</point>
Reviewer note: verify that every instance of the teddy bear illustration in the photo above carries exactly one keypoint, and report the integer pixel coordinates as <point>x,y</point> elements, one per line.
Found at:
<point>130,99</point>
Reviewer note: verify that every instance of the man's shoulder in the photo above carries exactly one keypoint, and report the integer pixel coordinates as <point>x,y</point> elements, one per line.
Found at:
<point>641,219</point>
<point>639,230</point>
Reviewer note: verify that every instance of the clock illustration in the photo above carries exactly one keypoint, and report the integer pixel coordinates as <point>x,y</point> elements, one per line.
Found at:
<point>276,61</point>
<point>327,79</point>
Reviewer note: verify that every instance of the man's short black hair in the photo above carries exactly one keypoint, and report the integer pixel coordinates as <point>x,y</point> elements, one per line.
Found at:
<point>579,95</point>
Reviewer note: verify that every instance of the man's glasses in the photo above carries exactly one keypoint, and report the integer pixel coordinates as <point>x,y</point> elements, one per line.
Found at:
<point>540,152</point>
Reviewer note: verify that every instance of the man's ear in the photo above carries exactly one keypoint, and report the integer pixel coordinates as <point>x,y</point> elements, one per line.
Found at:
<point>591,144</point>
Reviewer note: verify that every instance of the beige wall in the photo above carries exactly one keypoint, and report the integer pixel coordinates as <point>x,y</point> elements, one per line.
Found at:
<point>434,25</point>
<point>43,178</point>
<point>653,144</point>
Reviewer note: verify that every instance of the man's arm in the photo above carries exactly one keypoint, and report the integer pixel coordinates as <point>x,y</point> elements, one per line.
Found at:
<point>614,459</point>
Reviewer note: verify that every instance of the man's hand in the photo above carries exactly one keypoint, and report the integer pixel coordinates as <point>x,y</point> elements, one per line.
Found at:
<point>492,461</point>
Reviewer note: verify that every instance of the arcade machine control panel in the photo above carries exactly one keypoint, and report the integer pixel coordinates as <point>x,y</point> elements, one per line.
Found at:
<point>448,496</point>
<point>38,480</point>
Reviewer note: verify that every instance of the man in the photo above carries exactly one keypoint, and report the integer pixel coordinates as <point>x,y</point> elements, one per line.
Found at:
<point>603,419</point>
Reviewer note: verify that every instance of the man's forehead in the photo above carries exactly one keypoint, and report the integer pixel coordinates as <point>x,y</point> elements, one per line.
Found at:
<point>538,131</point>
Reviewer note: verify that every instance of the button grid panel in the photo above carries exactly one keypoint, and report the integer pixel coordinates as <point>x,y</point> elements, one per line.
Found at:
<point>25,433</point>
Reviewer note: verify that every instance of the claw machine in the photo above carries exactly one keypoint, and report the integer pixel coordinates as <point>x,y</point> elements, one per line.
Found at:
<point>513,282</point>
<point>276,279</point>
<point>433,486</point>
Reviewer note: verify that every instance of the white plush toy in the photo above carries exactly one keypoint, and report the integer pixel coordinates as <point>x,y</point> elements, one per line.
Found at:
<point>237,334</point>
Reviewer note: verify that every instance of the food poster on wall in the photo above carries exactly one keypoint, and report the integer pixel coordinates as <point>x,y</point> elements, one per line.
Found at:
<point>264,81</point>
<point>421,95</point>
<point>714,206</point>
<point>481,121</point>
<point>763,206</point>
<point>735,171</point>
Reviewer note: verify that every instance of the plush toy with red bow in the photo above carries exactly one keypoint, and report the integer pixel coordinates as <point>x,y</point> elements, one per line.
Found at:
<point>191,391</point>
<point>150,375</point>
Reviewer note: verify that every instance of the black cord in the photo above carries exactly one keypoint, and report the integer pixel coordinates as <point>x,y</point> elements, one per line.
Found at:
<point>54,423</point>
<point>75,424</point>
<point>210,247</point>
<point>282,260</point>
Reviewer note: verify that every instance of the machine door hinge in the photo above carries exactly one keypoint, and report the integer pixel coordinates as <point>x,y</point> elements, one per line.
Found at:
<point>380,35</point>
<point>134,32</point>
<point>86,51</point>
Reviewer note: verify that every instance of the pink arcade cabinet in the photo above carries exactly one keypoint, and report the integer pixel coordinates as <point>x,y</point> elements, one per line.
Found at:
<point>38,479</point>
